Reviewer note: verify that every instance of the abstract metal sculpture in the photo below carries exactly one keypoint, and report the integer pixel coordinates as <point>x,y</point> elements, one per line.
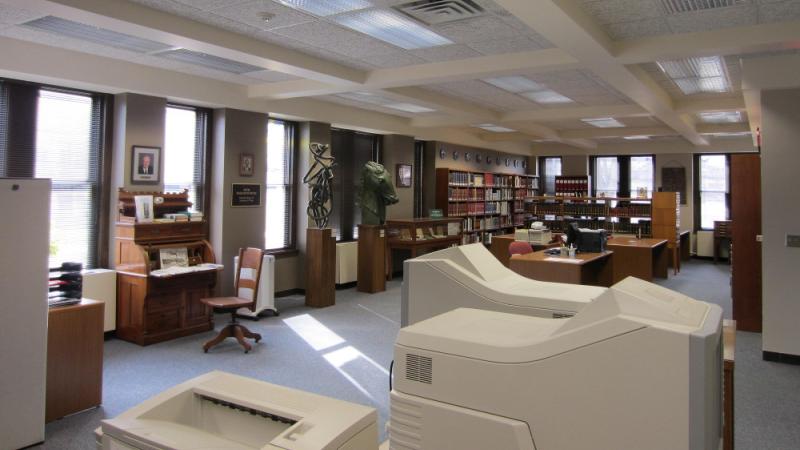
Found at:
<point>376,192</point>
<point>318,178</point>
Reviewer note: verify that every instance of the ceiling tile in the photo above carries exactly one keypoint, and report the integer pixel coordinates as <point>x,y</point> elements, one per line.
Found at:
<point>207,5</point>
<point>481,93</point>
<point>509,45</point>
<point>779,12</point>
<point>479,29</point>
<point>395,59</point>
<point>444,53</point>
<point>638,29</point>
<point>251,13</point>
<point>170,6</point>
<point>61,41</point>
<point>713,19</point>
<point>614,11</point>
<point>330,37</point>
<point>177,66</point>
<point>271,76</point>
<point>12,16</point>
<point>364,105</point>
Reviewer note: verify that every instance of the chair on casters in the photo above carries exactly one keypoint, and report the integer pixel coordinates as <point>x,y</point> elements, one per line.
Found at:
<point>519,248</point>
<point>246,284</point>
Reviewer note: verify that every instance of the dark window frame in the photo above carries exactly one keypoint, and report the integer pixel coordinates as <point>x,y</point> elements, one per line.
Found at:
<point>697,210</point>
<point>289,227</point>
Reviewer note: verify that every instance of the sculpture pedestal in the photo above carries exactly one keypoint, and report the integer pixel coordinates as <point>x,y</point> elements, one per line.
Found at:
<point>320,267</point>
<point>371,258</point>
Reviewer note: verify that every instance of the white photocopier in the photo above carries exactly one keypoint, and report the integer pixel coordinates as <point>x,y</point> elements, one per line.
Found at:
<point>222,411</point>
<point>638,368</point>
<point>469,276</point>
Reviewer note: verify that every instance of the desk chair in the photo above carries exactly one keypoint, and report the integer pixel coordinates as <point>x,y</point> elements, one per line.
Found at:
<point>519,248</point>
<point>246,284</point>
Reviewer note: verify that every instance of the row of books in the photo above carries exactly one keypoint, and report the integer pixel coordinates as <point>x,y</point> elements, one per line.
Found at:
<point>485,223</point>
<point>632,211</point>
<point>497,207</point>
<point>487,179</point>
<point>465,194</point>
<point>572,186</point>
<point>465,209</point>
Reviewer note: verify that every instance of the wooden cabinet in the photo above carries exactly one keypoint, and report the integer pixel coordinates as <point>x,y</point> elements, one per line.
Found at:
<point>74,358</point>
<point>153,306</point>
<point>667,223</point>
<point>746,261</point>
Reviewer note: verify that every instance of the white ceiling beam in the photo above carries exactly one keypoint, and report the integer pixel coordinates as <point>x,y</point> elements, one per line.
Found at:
<point>429,73</point>
<point>489,136</point>
<point>725,41</point>
<point>444,103</point>
<point>723,127</point>
<point>765,73</point>
<point>567,26</point>
<point>690,106</point>
<point>137,20</point>
<point>594,133</point>
<point>577,112</point>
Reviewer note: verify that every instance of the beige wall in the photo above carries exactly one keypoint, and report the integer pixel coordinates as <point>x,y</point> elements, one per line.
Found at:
<point>399,150</point>
<point>575,165</point>
<point>462,164</point>
<point>780,160</point>
<point>231,228</point>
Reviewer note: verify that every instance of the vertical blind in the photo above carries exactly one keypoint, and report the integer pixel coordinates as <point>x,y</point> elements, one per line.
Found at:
<point>184,152</point>
<point>68,136</point>
<point>279,193</point>
<point>3,127</point>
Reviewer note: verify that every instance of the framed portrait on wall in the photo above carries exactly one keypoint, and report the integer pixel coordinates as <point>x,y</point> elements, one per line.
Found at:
<point>145,165</point>
<point>246,162</point>
<point>403,175</point>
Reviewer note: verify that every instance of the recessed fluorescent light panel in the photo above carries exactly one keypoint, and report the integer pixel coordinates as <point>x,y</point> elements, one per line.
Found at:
<point>547,97</point>
<point>324,8</point>
<point>393,28</point>
<point>515,84</point>
<point>636,138</point>
<point>209,61</point>
<point>409,107</point>
<point>76,30</point>
<point>604,122</point>
<point>494,128</point>
<point>683,6</point>
<point>721,117</point>
<point>695,75</point>
<point>729,134</point>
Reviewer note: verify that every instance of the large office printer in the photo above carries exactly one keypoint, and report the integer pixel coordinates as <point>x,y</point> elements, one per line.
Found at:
<point>638,368</point>
<point>469,276</point>
<point>222,411</point>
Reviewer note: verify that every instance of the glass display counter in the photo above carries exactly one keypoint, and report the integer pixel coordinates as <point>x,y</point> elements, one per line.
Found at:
<point>420,235</point>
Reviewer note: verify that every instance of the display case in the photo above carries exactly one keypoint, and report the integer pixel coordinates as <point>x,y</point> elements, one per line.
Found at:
<point>163,270</point>
<point>420,235</point>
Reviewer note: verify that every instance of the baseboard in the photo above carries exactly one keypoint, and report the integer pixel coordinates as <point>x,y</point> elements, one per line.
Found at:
<point>709,258</point>
<point>109,335</point>
<point>288,292</point>
<point>349,285</point>
<point>781,358</point>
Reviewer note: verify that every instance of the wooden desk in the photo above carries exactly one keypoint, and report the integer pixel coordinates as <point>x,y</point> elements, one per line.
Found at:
<point>499,247</point>
<point>641,258</point>
<point>686,245</point>
<point>728,356</point>
<point>74,358</point>
<point>586,268</point>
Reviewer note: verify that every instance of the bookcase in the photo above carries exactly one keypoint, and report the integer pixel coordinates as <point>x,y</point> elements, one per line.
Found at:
<point>640,216</point>
<point>573,186</point>
<point>489,203</point>
<point>667,222</point>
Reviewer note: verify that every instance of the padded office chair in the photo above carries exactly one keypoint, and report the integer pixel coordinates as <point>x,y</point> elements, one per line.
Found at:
<point>247,278</point>
<point>519,248</point>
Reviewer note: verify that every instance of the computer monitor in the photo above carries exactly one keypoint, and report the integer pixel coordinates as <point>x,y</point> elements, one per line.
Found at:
<point>573,234</point>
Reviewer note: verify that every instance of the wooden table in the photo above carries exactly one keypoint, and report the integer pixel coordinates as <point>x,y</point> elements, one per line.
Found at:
<point>74,358</point>
<point>728,356</point>
<point>586,268</point>
<point>644,258</point>
<point>499,247</point>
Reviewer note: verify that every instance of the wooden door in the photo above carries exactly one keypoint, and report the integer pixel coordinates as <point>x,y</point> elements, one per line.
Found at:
<point>745,179</point>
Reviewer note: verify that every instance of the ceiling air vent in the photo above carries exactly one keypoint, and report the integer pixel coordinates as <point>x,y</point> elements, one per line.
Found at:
<point>419,368</point>
<point>436,12</point>
<point>682,6</point>
<point>209,61</point>
<point>76,30</point>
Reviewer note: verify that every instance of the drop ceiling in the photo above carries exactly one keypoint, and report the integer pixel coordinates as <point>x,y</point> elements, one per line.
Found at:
<point>440,81</point>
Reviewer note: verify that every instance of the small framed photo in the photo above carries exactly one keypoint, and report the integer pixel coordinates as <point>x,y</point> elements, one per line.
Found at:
<point>145,165</point>
<point>246,161</point>
<point>403,176</point>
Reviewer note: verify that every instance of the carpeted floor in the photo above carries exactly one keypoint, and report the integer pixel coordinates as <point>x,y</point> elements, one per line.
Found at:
<point>344,351</point>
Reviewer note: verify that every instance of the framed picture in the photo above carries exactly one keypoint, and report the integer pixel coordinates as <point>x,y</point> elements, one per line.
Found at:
<point>246,161</point>
<point>145,165</point>
<point>403,176</point>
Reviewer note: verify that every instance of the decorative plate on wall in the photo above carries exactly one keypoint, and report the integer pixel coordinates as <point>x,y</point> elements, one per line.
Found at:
<point>508,162</point>
<point>488,159</point>
<point>478,157</point>
<point>516,163</point>
<point>524,163</point>
<point>455,155</point>
<point>442,153</point>
<point>467,156</point>
<point>497,160</point>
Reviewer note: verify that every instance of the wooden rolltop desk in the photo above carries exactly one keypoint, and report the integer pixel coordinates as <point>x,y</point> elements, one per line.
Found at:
<point>155,304</point>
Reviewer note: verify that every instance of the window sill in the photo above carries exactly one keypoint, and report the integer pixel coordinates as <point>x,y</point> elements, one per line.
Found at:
<point>282,252</point>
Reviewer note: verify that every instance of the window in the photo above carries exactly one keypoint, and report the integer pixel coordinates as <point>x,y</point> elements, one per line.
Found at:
<point>184,152</point>
<point>352,150</point>
<point>713,186</point>
<point>67,151</point>
<point>606,176</point>
<point>641,175</point>
<point>551,168</point>
<point>280,150</point>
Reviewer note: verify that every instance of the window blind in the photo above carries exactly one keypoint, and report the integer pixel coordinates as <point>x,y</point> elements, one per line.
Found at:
<point>713,189</point>
<point>3,127</point>
<point>279,187</point>
<point>68,133</point>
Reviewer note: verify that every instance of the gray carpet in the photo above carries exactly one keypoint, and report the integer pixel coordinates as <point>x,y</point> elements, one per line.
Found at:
<point>767,394</point>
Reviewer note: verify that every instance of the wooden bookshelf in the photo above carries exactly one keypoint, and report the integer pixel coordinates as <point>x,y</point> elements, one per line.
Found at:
<point>488,202</point>
<point>667,223</point>
<point>615,214</point>
<point>573,186</point>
